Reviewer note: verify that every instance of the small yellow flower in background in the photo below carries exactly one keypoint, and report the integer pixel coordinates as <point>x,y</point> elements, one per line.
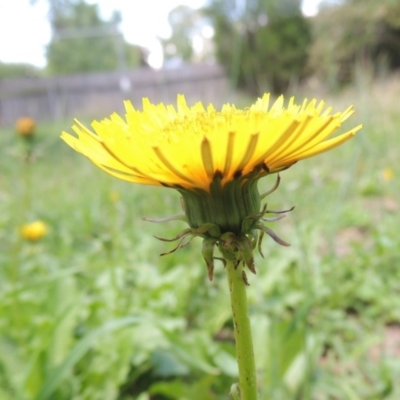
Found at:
<point>388,174</point>
<point>213,158</point>
<point>34,231</point>
<point>25,126</point>
<point>114,197</point>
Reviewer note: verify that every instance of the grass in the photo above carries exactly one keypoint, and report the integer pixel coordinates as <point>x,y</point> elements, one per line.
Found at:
<point>92,312</point>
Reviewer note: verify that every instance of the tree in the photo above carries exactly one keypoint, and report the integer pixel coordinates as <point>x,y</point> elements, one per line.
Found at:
<point>354,33</point>
<point>263,44</point>
<point>81,41</point>
<point>17,70</point>
<point>187,25</point>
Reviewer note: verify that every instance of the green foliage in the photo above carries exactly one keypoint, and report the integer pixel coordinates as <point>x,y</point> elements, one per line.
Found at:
<point>15,70</point>
<point>92,312</point>
<point>83,42</point>
<point>354,33</point>
<point>263,44</point>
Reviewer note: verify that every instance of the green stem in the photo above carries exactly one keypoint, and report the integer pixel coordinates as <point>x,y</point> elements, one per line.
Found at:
<point>243,338</point>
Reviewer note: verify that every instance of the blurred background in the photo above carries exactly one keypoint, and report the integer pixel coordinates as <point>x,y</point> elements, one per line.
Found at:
<point>88,308</point>
<point>59,58</point>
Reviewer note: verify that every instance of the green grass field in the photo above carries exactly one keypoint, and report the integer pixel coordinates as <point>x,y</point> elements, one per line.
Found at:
<point>91,312</point>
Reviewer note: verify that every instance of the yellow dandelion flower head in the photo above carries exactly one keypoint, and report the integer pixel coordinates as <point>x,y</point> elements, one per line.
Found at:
<point>34,231</point>
<point>25,126</point>
<point>186,147</point>
<point>213,158</point>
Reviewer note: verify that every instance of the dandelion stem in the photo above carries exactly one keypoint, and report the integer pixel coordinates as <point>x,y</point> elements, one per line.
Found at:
<point>243,338</point>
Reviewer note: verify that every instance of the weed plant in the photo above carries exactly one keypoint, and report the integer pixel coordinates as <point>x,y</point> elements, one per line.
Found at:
<point>91,311</point>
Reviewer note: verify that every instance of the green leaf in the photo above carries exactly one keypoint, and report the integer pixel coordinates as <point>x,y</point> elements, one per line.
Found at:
<point>77,353</point>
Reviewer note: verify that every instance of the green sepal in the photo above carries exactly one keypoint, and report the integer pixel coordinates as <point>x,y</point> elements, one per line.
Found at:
<point>272,234</point>
<point>229,216</point>
<point>246,249</point>
<point>208,255</point>
<point>227,205</point>
<point>177,217</point>
<point>228,246</point>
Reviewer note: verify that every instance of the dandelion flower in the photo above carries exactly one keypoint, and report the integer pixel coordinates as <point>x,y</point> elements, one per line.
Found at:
<point>25,126</point>
<point>114,197</point>
<point>34,231</point>
<point>387,174</point>
<point>213,158</point>
<point>202,150</point>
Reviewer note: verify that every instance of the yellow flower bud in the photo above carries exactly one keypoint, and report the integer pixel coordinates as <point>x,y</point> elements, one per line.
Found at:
<point>388,174</point>
<point>34,231</point>
<point>25,126</point>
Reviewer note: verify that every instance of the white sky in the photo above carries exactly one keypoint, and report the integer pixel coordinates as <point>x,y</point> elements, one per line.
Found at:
<point>24,30</point>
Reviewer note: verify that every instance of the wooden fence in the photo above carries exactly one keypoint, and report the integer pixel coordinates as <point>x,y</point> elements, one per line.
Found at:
<point>99,94</point>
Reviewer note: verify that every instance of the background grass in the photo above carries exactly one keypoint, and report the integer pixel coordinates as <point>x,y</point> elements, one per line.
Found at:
<point>92,312</point>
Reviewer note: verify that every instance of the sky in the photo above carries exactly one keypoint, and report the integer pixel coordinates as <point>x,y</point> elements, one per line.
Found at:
<point>24,30</point>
